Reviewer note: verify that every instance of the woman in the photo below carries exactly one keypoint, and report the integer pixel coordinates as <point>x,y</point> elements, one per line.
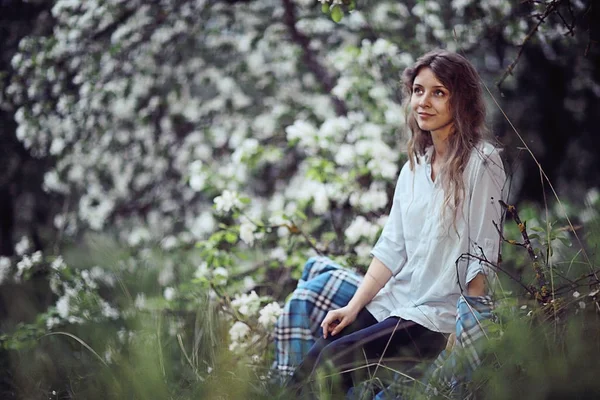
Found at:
<point>442,232</point>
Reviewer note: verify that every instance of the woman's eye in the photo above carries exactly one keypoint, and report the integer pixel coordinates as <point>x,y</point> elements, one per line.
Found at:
<point>439,93</point>
<point>417,90</point>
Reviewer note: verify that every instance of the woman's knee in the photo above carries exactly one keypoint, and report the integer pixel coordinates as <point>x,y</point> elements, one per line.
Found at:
<point>335,352</point>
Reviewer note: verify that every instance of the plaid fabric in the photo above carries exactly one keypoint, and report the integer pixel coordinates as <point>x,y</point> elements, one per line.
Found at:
<point>452,370</point>
<point>324,286</point>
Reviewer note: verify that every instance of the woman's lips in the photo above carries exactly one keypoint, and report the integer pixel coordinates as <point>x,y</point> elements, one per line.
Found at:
<point>424,115</point>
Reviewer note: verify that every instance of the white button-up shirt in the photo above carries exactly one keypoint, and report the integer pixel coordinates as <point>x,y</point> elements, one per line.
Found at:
<point>422,245</point>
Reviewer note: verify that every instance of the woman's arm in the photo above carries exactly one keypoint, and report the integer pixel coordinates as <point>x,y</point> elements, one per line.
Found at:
<point>389,256</point>
<point>376,277</point>
<point>477,286</point>
<point>485,214</point>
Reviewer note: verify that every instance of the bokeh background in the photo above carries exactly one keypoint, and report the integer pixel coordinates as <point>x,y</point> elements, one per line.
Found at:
<point>167,167</point>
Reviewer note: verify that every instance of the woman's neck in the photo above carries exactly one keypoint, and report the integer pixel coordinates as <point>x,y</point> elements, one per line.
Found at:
<point>440,141</point>
<point>440,147</point>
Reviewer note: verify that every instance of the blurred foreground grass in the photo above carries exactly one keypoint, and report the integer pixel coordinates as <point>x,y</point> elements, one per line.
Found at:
<point>178,348</point>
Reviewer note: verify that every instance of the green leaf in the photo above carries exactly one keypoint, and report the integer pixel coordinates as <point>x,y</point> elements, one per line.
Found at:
<point>325,8</point>
<point>329,236</point>
<point>352,5</point>
<point>300,215</point>
<point>565,241</point>
<point>231,237</point>
<point>336,13</point>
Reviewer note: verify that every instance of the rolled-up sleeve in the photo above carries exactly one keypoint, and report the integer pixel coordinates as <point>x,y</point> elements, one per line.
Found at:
<point>390,248</point>
<point>485,211</point>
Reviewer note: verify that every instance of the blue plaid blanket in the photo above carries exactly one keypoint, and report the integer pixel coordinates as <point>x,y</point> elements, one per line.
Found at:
<point>326,285</point>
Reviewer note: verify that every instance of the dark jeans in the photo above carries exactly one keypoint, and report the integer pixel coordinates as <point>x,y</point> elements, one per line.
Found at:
<point>365,340</point>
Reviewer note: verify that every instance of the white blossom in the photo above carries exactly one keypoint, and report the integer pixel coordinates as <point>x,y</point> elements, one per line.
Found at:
<point>248,283</point>
<point>227,201</point>
<point>363,250</point>
<point>62,306</point>
<point>373,199</point>
<point>246,304</point>
<point>58,264</point>
<point>269,314</point>
<point>140,301</point>
<point>52,322</point>
<point>345,155</point>
<point>100,274</point>
<point>4,268</point>
<point>36,257</point>
<point>220,276</point>
<point>23,265</point>
<point>247,230</point>
<point>169,293</point>
<point>201,271</point>
<point>166,274</point>
<point>360,227</point>
<point>321,200</point>
<point>202,225</point>
<point>279,254</point>
<point>22,246</point>
<point>138,236</point>
<point>169,243</point>
<point>238,331</point>
<point>592,196</point>
<point>108,311</point>
<point>300,130</point>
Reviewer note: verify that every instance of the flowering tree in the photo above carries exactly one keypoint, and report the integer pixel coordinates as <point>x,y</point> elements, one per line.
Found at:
<point>147,108</point>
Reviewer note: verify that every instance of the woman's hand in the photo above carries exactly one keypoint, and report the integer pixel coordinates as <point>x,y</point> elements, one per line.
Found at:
<point>336,320</point>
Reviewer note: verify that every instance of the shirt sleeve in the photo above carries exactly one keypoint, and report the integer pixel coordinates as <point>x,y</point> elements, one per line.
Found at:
<point>390,248</point>
<point>484,212</point>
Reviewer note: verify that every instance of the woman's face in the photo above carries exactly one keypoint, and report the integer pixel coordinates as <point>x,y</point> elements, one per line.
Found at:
<point>430,103</point>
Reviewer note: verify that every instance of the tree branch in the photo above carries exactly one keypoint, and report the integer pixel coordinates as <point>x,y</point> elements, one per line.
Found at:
<point>553,6</point>
<point>542,292</point>
<point>309,57</point>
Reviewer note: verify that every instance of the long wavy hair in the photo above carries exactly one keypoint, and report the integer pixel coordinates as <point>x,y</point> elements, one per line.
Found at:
<point>468,112</point>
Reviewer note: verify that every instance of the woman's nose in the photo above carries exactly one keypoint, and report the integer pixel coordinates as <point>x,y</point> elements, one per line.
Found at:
<point>424,100</point>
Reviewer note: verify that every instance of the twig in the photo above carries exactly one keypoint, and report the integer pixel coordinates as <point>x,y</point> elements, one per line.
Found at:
<point>469,256</point>
<point>293,228</point>
<point>551,7</point>
<point>570,28</point>
<point>509,241</point>
<point>541,293</point>
<point>575,283</point>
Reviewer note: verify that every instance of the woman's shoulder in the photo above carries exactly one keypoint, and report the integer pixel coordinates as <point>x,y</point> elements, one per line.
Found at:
<point>485,153</point>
